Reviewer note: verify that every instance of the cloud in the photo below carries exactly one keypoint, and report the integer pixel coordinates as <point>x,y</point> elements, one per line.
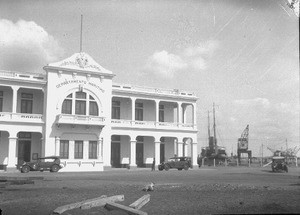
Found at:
<point>26,46</point>
<point>268,120</point>
<point>196,58</point>
<point>165,63</point>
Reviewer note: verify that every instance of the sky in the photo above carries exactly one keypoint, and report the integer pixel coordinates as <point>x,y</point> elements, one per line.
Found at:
<point>242,55</point>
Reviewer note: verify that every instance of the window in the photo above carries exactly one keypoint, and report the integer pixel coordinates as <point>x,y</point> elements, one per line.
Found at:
<point>161,113</point>
<point>1,101</point>
<point>67,105</point>
<point>93,107</point>
<point>26,102</point>
<point>93,150</point>
<point>64,149</point>
<point>80,103</point>
<point>83,102</point>
<point>78,152</point>
<point>139,111</point>
<point>116,110</point>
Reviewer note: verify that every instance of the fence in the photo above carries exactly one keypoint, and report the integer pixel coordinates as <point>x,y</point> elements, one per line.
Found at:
<point>254,162</point>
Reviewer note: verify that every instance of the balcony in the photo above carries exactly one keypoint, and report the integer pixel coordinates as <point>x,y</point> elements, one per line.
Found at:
<point>21,117</point>
<point>123,123</point>
<point>80,120</point>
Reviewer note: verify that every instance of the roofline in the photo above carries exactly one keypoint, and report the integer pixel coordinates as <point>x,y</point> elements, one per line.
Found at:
<point>77,70</point>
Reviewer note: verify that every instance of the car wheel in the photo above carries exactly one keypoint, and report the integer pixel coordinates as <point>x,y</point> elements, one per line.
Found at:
<point>186,167</point>
<point>179,168</point>
<point>54,168</point>
<point>160,168</point>
<point>167,167</point>
<point>25,169</point>
<point>286,169</point>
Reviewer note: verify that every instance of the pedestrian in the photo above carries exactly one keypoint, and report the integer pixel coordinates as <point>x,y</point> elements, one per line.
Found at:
<point>153,165</point>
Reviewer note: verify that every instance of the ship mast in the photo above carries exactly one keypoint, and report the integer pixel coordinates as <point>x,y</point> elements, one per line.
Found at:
<point>208,125</point>
<point>214,126</point>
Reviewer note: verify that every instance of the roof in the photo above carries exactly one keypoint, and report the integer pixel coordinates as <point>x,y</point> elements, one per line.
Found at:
<point>80,61</point>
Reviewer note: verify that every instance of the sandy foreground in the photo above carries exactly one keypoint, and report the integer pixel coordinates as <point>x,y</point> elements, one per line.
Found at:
<point>223,190</point>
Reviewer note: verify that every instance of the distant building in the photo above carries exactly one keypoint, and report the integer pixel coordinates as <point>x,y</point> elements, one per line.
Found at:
<point>76,112</point>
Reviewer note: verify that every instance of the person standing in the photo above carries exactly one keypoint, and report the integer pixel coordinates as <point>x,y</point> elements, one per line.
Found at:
<point>153,165</point>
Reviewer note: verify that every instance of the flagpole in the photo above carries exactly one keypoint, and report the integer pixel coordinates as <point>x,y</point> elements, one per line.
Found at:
<point>81,34</point>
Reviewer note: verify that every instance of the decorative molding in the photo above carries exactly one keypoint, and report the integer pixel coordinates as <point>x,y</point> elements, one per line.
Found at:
<point>59,73</point>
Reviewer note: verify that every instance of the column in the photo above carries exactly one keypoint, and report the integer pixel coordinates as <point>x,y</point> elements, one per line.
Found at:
<point>194,154</point>
<point>133,109</point>
<point>175,147</point>
<point>85,149</point>
<point>57,146</point>
<point>179,113</point>
<point>71,149</point>
<point>12,152</point>
<point>185,149</point>
<point>180,149</point>
<point>156,111</point>
<point>195,115</point>
<point>43,146</point>
<point>133,153</point>
<point>100,149</point>
<point>15,99</point>
<point>157,152</point>
<point>184,114</point>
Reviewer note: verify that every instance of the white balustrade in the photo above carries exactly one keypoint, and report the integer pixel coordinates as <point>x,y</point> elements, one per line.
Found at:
<point>21,117</point>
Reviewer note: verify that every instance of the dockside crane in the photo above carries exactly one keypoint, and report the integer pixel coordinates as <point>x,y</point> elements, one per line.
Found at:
<point>242,145</point>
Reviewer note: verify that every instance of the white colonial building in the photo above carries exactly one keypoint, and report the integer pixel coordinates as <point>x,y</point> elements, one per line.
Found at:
<point>75,111</point>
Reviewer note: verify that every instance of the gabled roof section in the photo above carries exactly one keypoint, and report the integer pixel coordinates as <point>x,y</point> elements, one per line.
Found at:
<point>80,61</point>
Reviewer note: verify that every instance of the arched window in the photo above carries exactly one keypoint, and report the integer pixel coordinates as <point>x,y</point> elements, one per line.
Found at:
<point>81,102</point>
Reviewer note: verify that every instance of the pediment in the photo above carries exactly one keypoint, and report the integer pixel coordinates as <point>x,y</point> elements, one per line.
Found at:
<point>80,61</point>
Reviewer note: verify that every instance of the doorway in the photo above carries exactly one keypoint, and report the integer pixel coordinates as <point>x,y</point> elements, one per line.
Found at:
<point>162,152</point>
<point>140,154</point>
<point>24,149</point>
<point>115,154</point>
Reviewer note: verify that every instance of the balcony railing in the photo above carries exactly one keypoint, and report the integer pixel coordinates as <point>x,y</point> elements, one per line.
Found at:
<point>21,117</point>
<point>151,124</point>
<point>80,119</point>
<point>143,89</point>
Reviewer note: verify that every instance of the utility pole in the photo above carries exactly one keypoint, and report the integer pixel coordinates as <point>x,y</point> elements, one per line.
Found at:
<point>262,154</point>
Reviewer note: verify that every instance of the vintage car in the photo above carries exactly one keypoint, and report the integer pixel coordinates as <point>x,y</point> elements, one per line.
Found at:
<point>51,163</point>
<point>176,163</point>
<point>279,164</point>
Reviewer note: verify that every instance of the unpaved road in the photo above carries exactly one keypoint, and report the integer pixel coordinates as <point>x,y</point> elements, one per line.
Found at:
<point>224,190</point>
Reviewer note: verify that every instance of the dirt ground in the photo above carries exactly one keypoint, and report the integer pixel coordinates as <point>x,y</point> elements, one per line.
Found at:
<point>223,190</point>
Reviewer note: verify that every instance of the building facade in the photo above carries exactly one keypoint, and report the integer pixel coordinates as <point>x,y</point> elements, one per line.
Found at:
<point>75,111</point>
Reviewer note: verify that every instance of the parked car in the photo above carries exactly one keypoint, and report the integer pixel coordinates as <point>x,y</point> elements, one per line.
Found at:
<point>176,163</point>
<point>51,163</point>
<point>278,164</point>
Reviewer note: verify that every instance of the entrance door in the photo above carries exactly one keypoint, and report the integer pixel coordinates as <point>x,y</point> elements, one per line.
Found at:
<point>115,154</point>
<point>162,153</point>
<point>24,148</point>
<point>140,154</point>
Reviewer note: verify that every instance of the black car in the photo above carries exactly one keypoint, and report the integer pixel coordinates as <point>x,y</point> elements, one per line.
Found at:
<point>51,163</point>
<point>278,164</point>
<point>176,163</point>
